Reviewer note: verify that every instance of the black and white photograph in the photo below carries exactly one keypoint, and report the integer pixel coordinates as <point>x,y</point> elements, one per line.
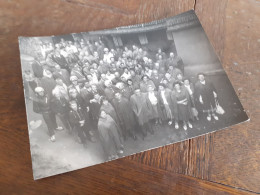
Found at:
<point>97,96</point>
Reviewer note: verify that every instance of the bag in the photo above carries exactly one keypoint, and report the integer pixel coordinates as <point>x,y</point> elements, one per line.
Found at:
<point>219,109</point>
<point>194,112</point>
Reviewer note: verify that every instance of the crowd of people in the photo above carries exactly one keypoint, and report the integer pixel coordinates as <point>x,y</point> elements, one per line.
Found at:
<point>114,94</point>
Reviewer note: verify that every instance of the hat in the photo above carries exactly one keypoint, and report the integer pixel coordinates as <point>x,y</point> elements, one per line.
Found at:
<point>38,89</point>
<point>73,78</point>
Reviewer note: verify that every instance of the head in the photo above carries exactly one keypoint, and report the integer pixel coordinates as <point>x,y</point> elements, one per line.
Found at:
<point>105,101</point>
<point>73,105</point>
<point>106,50</point>
<point>179,76</point>
<point>126,70</point>
<point>145,78</point>
<point>94,87</point>
<point>59,81</point>
<point>103,114</point>
<point>108,83</point>
<point>73,93</point>
<point>74,80</point>
<point>123,79</point>
<point>57,67</point>
<point>186,81</point>
<point>155,72</point>
<point>117,75</point>
<point>118,96</point>
<point>150,88</point>
<point>130,82</point>
<point>96,96</point>
<point>177,85</point>
<point>201,77</point>
<point>172,55</point>
<point>167,75</point>
<point>88,86</point>
<point>161,87</point>
<point>39,91</point>
<point>137,92</point>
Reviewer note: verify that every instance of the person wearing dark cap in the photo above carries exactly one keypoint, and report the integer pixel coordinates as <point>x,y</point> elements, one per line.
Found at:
<point>140,108</point>
<point>108,134</point>
<point>125,115</point>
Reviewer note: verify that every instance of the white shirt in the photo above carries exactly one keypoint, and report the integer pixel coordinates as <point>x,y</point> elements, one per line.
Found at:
<point>152,98</point>
<point>164,98</point>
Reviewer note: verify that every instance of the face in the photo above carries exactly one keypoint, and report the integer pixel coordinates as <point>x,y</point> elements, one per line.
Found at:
<point>97,96</point>
<point>89,77</point>
<point>150,89</point>
<point>94,87</point>
<point>118,96</point>
<point>59,82</point>
<point>74,82</point>
<point>161,88</point>
<point>105,102</point>
<point>138,92</point>
<point>179,76</point>
<point>186,82</point>
<point>201,77</point>
<point>73,106</point>
<point>145,79</point>
<point>126,70</point>
<point>167,75</point>
<point>103,114</point>
<point>177,86</point>
<point>73,94</point>
<point>129,82</point>
<point>155,72</point>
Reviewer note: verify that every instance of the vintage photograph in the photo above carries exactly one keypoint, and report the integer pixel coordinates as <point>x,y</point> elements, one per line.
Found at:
<point>93,97</point>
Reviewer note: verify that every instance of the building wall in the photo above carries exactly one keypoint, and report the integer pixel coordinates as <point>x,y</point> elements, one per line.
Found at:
<point>193,47</point>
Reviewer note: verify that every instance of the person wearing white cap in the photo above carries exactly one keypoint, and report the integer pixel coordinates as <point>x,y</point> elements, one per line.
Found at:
<point>42,106</point>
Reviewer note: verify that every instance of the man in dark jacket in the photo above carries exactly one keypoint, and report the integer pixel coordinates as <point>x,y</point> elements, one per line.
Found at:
<point>77,120</point>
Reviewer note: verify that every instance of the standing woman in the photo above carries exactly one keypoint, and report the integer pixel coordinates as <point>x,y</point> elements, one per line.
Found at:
<point>182,102</point>
<point>190,88</point>
<point>108,133</point>
<point>206,94</point>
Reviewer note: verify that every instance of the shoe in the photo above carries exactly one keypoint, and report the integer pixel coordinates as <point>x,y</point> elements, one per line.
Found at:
<point>120,152</point>
<point>185,127</point>
<point>176,126</point>
<point>59,128</point>
<point>215,117</point>
<point>170,123</point>
<point>209,118</point>
<point>190,125</point>
<point>53,138</point>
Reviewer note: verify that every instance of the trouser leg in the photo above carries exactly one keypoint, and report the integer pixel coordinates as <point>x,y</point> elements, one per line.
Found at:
<point>49,122</point>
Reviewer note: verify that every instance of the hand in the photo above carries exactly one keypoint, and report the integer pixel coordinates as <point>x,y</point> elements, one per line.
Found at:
<point>87,109</point>
<point>215,94</point>
<point>200,99</point>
